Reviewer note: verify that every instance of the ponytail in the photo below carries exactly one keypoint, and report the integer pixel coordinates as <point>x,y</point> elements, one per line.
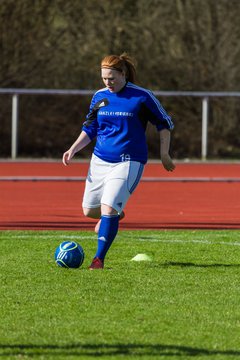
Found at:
<point>130,66</point>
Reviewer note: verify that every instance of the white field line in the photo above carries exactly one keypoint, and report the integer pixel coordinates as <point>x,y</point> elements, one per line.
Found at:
<point>47,236</point>
<point>145,239</point>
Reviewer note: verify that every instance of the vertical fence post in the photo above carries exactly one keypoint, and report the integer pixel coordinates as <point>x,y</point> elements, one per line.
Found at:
<point>14,126</point>
<point>204,127</point>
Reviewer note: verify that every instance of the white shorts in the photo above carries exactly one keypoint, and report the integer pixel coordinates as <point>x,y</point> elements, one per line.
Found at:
<point>111,183</point>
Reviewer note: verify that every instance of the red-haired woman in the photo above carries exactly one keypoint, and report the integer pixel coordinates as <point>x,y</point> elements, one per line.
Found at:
<point>117,119</point>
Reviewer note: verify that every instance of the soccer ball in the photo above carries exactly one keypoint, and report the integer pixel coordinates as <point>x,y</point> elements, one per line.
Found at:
<point>69,254</point>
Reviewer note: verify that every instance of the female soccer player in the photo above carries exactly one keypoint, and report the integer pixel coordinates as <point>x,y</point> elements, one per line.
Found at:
<point>118,119</point>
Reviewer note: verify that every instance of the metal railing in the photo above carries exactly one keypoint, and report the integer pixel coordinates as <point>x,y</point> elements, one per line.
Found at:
<point>15,93</point>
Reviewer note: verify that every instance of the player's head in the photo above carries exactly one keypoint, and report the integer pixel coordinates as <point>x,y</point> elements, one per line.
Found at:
<point>116,70</point>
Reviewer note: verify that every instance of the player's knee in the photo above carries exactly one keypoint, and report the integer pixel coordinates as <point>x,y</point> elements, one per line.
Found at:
<point>92,213</point>
<point>85,211</point>
<point>108,210</point>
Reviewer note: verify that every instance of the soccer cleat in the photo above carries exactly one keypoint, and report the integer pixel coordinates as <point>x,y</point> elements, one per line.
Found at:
<point>122,215</point>
<point>96,264</point>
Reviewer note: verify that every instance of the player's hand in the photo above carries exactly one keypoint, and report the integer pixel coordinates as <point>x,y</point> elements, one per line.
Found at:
<point>167,162</point>
<point>67,156</point>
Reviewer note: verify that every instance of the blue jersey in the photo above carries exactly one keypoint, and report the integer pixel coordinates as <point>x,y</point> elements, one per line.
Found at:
<point>119,121</point>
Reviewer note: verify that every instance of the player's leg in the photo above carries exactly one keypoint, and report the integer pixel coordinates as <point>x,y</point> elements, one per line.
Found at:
<point>107,232</point>
<point>93,213</point>
<point>119,185</point>
<point>121,216</point>
<point>94,185</point>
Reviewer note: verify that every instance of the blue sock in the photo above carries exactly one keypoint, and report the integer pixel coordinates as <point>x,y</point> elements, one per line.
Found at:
<point>106,234</point>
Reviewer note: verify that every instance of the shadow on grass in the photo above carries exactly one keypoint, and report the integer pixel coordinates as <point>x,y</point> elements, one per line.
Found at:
<point>190,264</point>
<point>100,350</point>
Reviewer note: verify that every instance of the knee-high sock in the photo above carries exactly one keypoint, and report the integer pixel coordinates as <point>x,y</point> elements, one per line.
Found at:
<point>107,232</point>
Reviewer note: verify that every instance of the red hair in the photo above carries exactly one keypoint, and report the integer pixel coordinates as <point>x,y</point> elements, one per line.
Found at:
<point>120,63</point>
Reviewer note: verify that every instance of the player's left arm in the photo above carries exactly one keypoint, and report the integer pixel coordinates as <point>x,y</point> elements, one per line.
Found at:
<point>167,162</point>
<point>163,122</point>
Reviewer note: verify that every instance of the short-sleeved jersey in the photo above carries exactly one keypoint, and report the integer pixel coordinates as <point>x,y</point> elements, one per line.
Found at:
<point>119,121</point>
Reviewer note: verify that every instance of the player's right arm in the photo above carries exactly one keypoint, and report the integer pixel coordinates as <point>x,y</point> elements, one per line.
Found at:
<point>82,141</point>
<point>89,132</point>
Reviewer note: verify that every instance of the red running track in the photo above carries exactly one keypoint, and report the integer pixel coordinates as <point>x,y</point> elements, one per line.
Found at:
<point>167,204</point>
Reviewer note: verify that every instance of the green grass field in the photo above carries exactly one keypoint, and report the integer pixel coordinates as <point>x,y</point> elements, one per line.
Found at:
<point>183,304</point>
